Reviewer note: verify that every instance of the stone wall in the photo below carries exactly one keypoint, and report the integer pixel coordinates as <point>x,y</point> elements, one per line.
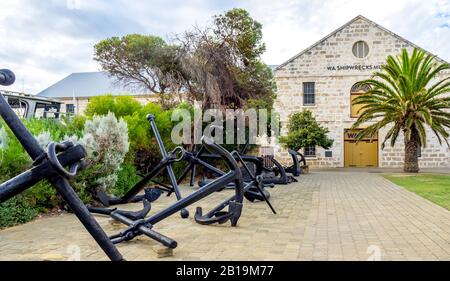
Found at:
<point>329,63</point>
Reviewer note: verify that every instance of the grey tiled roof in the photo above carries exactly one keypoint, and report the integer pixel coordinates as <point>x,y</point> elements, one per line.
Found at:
<point>87,84</point>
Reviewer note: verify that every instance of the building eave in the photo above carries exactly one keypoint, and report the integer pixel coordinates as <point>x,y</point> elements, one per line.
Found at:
<point>344,26</point>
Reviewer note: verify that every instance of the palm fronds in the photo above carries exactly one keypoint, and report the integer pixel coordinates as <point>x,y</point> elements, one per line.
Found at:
<point>407,96</point>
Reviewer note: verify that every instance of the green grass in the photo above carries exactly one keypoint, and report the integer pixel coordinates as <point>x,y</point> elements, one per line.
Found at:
<point>433,187</point>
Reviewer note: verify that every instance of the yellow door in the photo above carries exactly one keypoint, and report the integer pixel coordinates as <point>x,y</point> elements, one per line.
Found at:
<point>370,158</point>
<point>361,154</point>
<point>348,154</point>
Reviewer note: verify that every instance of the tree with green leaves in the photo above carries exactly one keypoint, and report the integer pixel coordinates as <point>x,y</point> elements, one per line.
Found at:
<point>142,61</point>
<point>219,64</point>
<point>304,130</point>
<point>407,96</point>
<point>223,62</point>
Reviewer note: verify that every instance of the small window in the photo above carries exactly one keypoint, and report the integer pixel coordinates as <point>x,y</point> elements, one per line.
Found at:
<point>310,151</point>
<point>360,49</point>
<point>51,111</point>
<point>309,96</point>
<point>419,151</point>
<point>70,108</point>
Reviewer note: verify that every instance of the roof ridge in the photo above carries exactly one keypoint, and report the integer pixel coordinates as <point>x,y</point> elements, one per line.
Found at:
<point>53,85</point>
<point>88,84</point>
<point>347,24</point>
<point>88,72</point>
<point>318,42</point>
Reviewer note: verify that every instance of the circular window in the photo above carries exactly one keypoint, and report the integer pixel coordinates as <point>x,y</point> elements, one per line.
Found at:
<point>360,49</point>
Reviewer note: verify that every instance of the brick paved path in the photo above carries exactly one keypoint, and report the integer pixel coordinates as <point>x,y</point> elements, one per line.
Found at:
<point>326,216</point>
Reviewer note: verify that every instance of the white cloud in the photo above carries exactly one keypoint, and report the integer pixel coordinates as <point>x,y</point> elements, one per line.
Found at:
<point>291,26</point>
<point>43,41</point>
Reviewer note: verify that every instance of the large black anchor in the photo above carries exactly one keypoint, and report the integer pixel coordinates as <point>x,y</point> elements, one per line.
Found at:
<point>253,190</point>
<point>50,165</point>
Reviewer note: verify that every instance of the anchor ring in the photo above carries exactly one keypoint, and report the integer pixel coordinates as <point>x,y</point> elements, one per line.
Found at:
<point>180,152</point>
<point>52,150</point>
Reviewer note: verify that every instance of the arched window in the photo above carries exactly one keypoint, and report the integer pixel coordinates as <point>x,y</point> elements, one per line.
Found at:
<point>355,92</point>
<point>359,88</point>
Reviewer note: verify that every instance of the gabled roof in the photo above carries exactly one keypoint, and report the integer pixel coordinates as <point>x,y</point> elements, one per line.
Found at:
<point>359,17</point>
<point>87,84</point>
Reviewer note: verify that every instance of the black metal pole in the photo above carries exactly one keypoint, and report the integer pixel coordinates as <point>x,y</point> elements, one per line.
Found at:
<point>162,149</point>
<point>29,178</point>
<point>193,172</point>
<point>27,140</point>
<point>32,147</point>
<point>190,168</point>
<point>192,198</point>
<point>80,210</point>
<point>166,241</point>
<point>141,184</point>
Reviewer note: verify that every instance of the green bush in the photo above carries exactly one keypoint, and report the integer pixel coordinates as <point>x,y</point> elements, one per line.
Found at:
<point>75,125</point>
<point>15,211</point>
<point>127,177</point>
<point>55,128</point>
<point>143,154</point>
<point>304,130</point>
<point>42,197</point>
<point>144,150</point>
<point>119,105</point>
<point>14,160</point>
<point>106,142</point>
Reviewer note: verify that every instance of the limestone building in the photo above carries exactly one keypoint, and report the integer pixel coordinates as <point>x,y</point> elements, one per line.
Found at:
<point>322,79</point>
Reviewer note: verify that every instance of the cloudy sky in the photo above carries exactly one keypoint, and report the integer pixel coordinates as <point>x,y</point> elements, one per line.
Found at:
<point>45,40</point>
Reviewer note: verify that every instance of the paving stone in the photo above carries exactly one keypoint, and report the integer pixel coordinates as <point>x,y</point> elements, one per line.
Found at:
<point>325,216</point>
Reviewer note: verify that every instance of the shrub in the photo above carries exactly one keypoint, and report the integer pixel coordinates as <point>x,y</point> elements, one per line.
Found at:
<point>126,178</point>
<point>142,140</point>
<point>43,197</point>
<point>119,105</point>
<point>105,139</point>
<point>74,125</point>
<point>13,159</point>
<point>15,211</point>
<point>54,129</point>
<point>106,142</point>
<point>304,130</point>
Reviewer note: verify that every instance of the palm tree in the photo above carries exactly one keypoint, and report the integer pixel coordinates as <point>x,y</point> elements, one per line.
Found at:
<point>406,95</point>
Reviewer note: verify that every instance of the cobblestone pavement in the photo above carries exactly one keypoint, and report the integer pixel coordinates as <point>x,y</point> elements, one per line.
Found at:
<point>325,216</point>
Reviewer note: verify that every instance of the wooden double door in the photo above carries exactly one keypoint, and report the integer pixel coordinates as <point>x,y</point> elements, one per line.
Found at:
<point>360,154</point>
